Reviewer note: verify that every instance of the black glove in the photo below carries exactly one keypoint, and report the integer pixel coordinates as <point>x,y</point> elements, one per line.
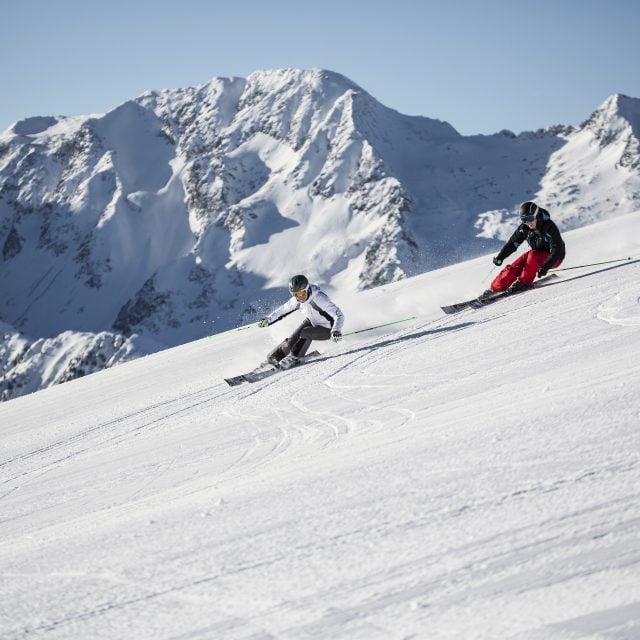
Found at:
<point>497,261</point>
<point>542,272</point>
<point>263,323</point>
<point>336,336</point>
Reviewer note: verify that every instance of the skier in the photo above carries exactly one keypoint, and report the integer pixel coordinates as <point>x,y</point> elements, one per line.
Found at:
<point>324,320</point>
<point>547,251</point>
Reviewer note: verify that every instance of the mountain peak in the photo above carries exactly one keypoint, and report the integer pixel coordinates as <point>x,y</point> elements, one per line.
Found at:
<point>317,78</point>
<point>615,115</point>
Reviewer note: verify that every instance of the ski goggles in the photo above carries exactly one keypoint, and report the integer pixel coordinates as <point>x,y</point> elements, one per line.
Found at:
<point>299,293</point>
<point>528,212</point>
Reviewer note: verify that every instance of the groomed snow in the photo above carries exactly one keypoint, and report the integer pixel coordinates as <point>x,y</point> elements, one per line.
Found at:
<point>458,477</point>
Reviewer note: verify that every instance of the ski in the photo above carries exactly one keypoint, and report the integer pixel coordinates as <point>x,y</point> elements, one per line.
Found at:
<point>477,303</point>
<point>264,370</point>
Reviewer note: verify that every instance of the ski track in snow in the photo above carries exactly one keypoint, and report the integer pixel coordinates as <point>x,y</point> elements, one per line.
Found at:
<point>623,308</point>
<point>456,477</point>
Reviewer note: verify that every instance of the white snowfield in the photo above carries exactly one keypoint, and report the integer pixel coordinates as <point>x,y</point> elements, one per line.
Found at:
<point>474,476</point>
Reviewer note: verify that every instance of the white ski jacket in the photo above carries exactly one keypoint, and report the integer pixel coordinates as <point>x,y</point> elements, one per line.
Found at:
<point>318,308</point>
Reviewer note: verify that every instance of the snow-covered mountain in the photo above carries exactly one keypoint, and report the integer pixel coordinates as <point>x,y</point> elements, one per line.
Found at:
<point>183,212</point>
<point>467,477</point>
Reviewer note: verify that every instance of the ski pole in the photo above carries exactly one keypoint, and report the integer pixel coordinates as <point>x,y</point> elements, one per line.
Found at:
<point>488,274</point>
<point>242,328</point>
<point>378,326</point>
<point>593,264</point>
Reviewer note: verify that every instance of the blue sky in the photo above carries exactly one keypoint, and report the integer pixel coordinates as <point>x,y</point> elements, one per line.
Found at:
<point>481,65</point>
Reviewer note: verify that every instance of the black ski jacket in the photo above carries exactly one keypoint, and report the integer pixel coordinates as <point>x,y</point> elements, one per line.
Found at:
<point>545,237</point>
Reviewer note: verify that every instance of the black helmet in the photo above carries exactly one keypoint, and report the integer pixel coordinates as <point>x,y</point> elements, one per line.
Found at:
<point>298,283</point>
<point>528,211</point>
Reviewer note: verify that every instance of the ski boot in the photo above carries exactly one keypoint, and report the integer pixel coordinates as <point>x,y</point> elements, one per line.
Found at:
<point>288,361</point>
<point>489,293</point>
<point>518,287</point>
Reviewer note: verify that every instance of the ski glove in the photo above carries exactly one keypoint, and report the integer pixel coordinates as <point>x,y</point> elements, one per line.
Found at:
<point>542,272</point>
<point>336,336</point>
<point>497,261</point>
<point>263,323</point>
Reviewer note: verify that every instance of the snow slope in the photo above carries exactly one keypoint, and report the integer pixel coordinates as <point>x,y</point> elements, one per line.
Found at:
<point>458,477</point>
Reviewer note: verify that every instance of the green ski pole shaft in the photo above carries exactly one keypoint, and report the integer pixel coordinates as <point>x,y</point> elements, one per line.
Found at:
<point>242,328</point>
<point>593,264</point>
<point>379,326</point>
<point>488,274</point>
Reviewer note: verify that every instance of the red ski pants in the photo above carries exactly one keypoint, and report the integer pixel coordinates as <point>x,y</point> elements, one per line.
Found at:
<point>524,269</point>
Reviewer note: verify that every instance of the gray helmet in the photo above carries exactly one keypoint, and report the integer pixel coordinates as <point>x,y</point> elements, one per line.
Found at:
<point>298,283</point>
<point>528,211</point>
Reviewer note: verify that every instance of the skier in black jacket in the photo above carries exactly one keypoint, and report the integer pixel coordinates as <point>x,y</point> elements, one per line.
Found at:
<point>547,251</point>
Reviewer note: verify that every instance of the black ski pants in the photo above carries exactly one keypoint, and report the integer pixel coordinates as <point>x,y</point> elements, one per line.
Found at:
<point>299,341</point>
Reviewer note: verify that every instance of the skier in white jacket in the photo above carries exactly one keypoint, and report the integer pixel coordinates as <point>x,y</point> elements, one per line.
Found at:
<point>324,320</point>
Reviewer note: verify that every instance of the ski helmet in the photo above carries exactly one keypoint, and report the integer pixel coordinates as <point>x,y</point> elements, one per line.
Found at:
<point>298,283</point>
<point>528,211</point>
